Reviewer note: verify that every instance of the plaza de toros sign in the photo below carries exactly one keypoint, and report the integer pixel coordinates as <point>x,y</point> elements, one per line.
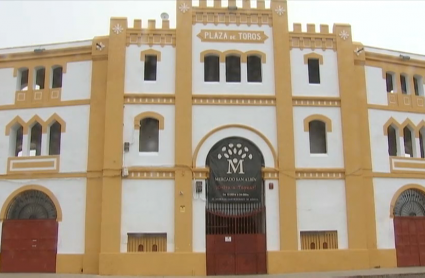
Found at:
<point>232,36</point>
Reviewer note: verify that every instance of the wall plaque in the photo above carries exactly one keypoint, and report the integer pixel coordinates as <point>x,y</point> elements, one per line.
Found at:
<point>232,36</point>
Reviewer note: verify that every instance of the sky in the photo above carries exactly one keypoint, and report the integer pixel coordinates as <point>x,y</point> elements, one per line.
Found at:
<point>389,24</point>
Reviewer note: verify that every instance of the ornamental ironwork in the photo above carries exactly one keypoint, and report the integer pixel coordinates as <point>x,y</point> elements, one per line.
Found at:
<point>410,203</point>
<point>32,204</point>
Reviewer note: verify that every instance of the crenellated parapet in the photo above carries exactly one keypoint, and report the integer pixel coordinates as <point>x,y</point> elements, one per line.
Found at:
<point>220,13</point>
<point>150,34</point>
<point>311,39</point>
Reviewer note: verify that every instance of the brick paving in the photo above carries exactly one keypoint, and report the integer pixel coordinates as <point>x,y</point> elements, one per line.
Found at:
<point>413,272</point>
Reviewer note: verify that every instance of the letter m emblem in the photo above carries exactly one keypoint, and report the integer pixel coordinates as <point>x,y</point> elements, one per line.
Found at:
<point>232,168</point>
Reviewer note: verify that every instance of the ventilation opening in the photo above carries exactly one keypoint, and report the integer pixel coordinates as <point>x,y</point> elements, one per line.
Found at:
<point>316,240</point>
<point>150,67</point>
<point>233,69</point>
<point>254,69</point>
<point>147,242</point>
<point>212,69</point>
<point>313,71</point>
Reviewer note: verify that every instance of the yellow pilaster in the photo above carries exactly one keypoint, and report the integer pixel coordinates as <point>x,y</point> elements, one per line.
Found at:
<point>95,159</point>
<point>285,127</point>
<point>183,129</point>
<point>357,157</point>
<point>112,162</point>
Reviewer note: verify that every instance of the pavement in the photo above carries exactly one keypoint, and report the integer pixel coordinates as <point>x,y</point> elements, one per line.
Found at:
<point>411,272</point>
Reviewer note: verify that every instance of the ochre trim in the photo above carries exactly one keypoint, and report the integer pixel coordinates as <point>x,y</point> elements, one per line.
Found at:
<point>18,191</point>
<point>149,99</point>
<point>60,56</point>
<point>318,117</point>
<point>316,101</point>
<point>40,175</point>
<point>257,53</point>
<point>150,52</point>
<point>242,100</point>
<point>55,118</point>
<point>392,122</point>
<point>420,125</point>
<point>151,173</point>
<point>313,55</point>
<point>201,142</point>
<point>150,36</point>
<point>43,104</point>
<point>16,120</point>
<point>408,123</point>
<point>33,164</point>
<point>320,173</point>
<point>233,52</point>
<point>211,52</point>
<point>36,119</point>
<point>149,114</point>
<point>400,191</point>
<point>310,39</point>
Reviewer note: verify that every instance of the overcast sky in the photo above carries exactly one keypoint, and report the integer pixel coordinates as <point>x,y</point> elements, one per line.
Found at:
<point>396,25</point>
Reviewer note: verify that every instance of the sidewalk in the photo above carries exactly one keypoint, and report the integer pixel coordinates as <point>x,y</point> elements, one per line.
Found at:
<point>411,272</point>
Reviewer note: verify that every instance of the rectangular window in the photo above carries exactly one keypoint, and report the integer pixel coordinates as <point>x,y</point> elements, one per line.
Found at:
<point>418,84</point>
<point>317,240</point>
<point>313,71</point>
<point>150,67</point>
<point>147,242</point>
<point>403,84</point>
<point>390,83</point>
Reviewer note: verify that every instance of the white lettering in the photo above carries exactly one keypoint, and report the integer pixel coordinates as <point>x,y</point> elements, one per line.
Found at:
<point>235,168</point>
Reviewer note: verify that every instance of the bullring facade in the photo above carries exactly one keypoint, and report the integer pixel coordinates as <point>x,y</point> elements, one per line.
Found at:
<point>229,145</point>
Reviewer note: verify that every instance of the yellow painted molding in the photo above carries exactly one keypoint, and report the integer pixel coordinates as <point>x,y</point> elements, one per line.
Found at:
<point>392,122</point>
<point>374,58</point>
<point>313,56</point>
<point>201,142</point>
<point>243,100</point>
<point>33,164</point>
<point>243,55</point>
<point>211,52</point>
<point>18,191</point>
<point>41,175</point>
<point>400,191</point>
<point>36,119</point>
<point>150,52</point>
<point>399,175</point>
<point>257,53</point>
<point>420,126</point>
<point>60,56</point>
<point>43,105</point>
<point>320,173</point>
<point>233,52</point>
<point>409,124</point>
<point>15,121</point>
<point>160,173</point>
<point>318,117</point>
<point>148,114</point>
<point>316,101</point>
<point>149,99</point>
<point>55,118</point>
<point>163,36</point>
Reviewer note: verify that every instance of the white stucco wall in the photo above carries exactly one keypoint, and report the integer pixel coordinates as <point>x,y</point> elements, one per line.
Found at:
<point>266,87</point>
<point>74,141</point>
<point>76,82</point>
<point>135,68</point>
<point>334,158</point>
<point>385,190</point>
<point>147,207</point>
<point>321,207</point>
<point>165,156</point>
<point>376,86</point>
<point>71,195</point>
<point>272,217</point>
<point>207,118</point>
<point>8,86</point>
<point>328,86</point>
<point>379,141</point>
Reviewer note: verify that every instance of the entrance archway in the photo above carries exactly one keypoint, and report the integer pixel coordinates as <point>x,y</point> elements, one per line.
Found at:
<point>235,210</point>
<point>30,234</point>
<point>409,228</point>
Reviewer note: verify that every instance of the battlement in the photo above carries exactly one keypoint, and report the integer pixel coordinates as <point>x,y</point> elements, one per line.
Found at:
<point>246,4</point>
<point>151,25</point>
<point>311,28</point>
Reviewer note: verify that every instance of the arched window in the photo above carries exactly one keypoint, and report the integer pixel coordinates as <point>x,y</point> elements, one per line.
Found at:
<point>154,248</point>
<point>140,248</point>
<point>149,135</point>
<point>212,68</point>
<point>40,74</point>
<point>410,203</point>
<point>233,68</point>
<point>56,77</point>
<point>23,79</point>
<point>16,138</point>
<point>254,68</point>
<point>35,143</point>
<point>317,136</point>
<point>408,142</point>
<point>325,245</point>
<point>312,246</point>
<point>392,141</point>
<point>55,138</point>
